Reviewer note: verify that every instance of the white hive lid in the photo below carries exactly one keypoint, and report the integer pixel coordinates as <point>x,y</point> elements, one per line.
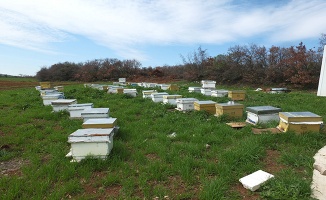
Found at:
<point>101,121</point>
<point>96,111</point>
<point>63,101</point>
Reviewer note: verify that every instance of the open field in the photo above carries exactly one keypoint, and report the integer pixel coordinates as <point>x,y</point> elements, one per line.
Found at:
<point>145,163</point>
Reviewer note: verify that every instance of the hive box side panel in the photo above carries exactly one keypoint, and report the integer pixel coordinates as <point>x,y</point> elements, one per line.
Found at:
<point>322,78</point>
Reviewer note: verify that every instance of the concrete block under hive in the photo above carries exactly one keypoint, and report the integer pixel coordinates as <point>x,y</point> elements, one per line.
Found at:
<point>194,89</point>
<point>94,113</point>
<point>171,99</point>
<point>219,93</point>
<point>208,106</point>
<point>299,122</point>
<point>262,114</point>
<point>230,109</point>
<point>75,110</point>
<point>185,104</point>
<point>47,99</point>
<point>158,97</point>
<point>237,95</point>
<point>95,142</point>
<point>147,93</point>
<point>62,104</point>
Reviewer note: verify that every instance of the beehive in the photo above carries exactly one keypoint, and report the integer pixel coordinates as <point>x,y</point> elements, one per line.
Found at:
<point>262,114</point>
<point>208,106</point>
<point>237,95</point>
<point>171,99</point>
<point>75,110</point>
<point>62,104</point>
<point>185,104</point>
<point>97,143</point>
<point>158,97</point>
<point>206,91</point>
<point>47,99</point>
<point>299,122</point>
<point>230,109</point>
<point>94,113</point>
<point>100,123</point>
<point>130,92</point>
<point>164,86</point>
<point>278,90</point>
<point>194,89</point>
<point>58,88</point>
<point>173,88</point>
<point>122,80</point>
<point>208,84</point>
<point>147,93</point>
<point>45,85</point>
<point>46,92</point>
<point>219,93</point>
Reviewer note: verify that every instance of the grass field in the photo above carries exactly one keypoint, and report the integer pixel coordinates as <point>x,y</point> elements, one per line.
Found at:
<point>145,163</point>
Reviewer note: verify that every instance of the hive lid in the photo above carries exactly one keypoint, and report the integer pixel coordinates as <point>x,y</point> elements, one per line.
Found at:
<point>91,135</point>
<point>229,106</point>
<point>101,121</point>
<point>171,96</point>
<point>80,105</point>
<point>300,116</point>
<point>208,102</point>
<point>95,111</point>
<point>186,100</point>
<point>159,94</point>
<point>51,96</point>
<point>63,101</point>
<point>220,91</point>
<point>263,109</point>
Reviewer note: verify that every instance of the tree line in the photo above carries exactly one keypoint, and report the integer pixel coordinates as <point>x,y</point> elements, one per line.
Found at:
<point>294,66</point>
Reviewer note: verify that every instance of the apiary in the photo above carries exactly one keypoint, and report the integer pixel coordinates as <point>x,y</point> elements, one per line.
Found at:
<point>299,122</point>
<point>194,89</point>
<point>47,99</point>
<point>75,110</point>
<point>164,86</point>
<point>130,92</point>
<point>237,95</point>
<point>58,88</point>
<point>262,114</point>
<point>219,93</point>
<point>231,109</point>
<point>158,97</point>
<point>102,123</point>
<point>45,85</point>
<point>208,84</point>
<point>171,99</point>
<point>62,104</point>
<point>95,142</point>
<point>147,93</point>
<point>206,91</point>
<point>94,113</point>
<point>208,106</point>
<point>185,104</point>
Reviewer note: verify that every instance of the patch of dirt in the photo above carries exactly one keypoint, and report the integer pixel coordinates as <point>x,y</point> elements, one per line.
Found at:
<point>246,194</point>
<point>152,156</point>
<point>12,167</point>
<point>270,162</point>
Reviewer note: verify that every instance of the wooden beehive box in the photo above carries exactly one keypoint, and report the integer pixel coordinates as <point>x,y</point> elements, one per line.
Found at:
<point>97,143</point>
<point>173,88</point>
<point>299,122</point>
<point>158,97</point>
<point>147,93</point>
<point>230,109</point>
<point>171,99</point>
<point>184,104</point>
<point>194,89</point>
<point>75,110</point>
<point>208,84</point>
<point>262,114</point>
<point>100,123</point>
<point>206,91</point>
<point>94,113</point>
<point>62,104</point>
<point>46,85</point>
<point>208,106</point>
<point>237,95</point>
<point>130,92</point>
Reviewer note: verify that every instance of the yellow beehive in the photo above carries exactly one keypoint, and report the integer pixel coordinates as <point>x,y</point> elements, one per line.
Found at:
<point>45,85</point>
<point>299,122</point>
<point>120,90</point>
<point>237,95</point>
<point>173,88</point>
<point>230,109</point>
<point>208,106</point>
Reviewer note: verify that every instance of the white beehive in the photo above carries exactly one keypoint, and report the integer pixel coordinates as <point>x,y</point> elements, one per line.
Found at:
<point>95,142</point>
<point>94,113</point>
<point>38,88</point>
<point>102,123</point>
<point>185,104</point>
<point>219,93</point>
<point>194,89</point>
<point>171,99</point>
<point>208,84</point>
<point>206,91</point>
<point>114,89</point>
<point>75,110</point>
<point>46,92</point>
<point>255,180</point>
<point>262,114</point>
<point>122,80</point>
<point>164,86</point>
<point>130,92</point>
<point>147,93</point>
<point>47,99</point>
<point>158,97</point>
<point>62,104</point>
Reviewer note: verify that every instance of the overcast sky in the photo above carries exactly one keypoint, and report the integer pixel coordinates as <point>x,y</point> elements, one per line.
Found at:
<point>38,33</point>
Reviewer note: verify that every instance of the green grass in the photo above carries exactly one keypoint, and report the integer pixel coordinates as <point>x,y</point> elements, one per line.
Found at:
<point>145,162</point>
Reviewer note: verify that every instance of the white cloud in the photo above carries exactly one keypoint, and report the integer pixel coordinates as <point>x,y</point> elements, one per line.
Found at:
<point>125,24</point>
